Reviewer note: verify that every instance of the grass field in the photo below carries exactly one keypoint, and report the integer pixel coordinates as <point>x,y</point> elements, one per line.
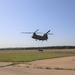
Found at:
<point>32,55</point>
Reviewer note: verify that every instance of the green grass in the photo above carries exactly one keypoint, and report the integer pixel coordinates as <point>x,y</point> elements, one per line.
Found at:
<point>32,55</point>
<point>29,57</point>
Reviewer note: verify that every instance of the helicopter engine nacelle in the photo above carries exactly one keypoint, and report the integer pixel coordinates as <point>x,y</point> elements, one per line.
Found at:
<point>34,35</point>
<point>45,36</point>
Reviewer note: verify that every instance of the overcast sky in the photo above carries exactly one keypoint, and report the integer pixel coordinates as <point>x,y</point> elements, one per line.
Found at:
<point>29,15</point>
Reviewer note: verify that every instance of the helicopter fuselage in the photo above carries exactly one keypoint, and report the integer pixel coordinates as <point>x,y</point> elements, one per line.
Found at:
<point>39,37</point>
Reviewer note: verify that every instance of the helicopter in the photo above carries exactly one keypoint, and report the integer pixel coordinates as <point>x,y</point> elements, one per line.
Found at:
<point>39,37</point>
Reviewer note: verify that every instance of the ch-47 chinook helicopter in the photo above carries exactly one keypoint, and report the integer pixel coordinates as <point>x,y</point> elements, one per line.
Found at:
<point>39,37</point>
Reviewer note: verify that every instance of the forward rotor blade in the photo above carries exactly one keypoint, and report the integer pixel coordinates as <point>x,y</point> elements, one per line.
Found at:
<point>44,33</point>
<point>39,32</point>
<point>48,31</point>
<point>36,30</point>
<point>27,32</point>
<point>50,34</point>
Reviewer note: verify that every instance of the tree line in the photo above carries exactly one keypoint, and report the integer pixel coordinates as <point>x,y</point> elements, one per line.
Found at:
<point>47,47</point>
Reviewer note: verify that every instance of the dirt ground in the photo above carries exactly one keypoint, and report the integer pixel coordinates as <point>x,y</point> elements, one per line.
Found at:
<point>56,66</point>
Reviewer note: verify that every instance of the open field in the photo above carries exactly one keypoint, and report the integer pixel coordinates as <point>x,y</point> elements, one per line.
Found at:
<point>36,51</point>
<point>32,55</point>
<point>22,62</point>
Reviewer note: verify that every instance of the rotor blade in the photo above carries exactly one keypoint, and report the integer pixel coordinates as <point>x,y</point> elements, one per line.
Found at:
<point>39,32</point>
<point>50,34</point>
<point>36,30</point>
<point>48,31</point>
<point>44,33</point>
<point>27,32</point>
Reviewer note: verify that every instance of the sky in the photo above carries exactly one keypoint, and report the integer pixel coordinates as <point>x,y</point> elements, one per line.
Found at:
<point>18,16</point>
